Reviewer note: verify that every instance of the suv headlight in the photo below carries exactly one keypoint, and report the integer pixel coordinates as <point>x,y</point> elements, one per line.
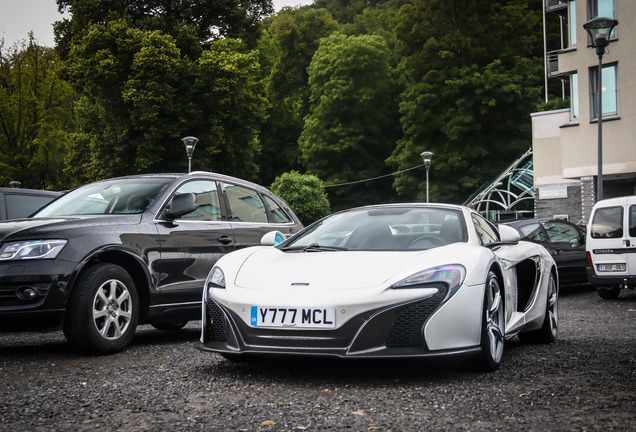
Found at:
<point>31,249</point>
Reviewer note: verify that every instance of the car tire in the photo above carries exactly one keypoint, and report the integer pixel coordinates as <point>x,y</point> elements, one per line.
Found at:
<point>170,326</point>
<point>548,331</point>
<point>609,293</point>
<point>103,310</point>
<point>493,325</point>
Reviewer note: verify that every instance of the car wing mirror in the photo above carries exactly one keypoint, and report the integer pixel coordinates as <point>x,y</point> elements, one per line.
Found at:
<point>508,234</point>
<point>272,238</point>
<point>180,205</point>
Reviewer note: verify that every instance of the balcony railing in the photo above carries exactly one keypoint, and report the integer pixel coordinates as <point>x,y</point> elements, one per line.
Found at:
<point>556,6</point>
<point>552,65</point>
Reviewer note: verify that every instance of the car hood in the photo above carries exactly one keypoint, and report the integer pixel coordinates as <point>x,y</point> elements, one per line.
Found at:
<point>51,227</point>
<point>270,268</point>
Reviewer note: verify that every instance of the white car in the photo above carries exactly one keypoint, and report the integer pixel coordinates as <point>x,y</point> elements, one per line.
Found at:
<point>399,280</point>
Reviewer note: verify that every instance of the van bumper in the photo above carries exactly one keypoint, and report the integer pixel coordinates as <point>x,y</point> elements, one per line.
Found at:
<point>610,280</point>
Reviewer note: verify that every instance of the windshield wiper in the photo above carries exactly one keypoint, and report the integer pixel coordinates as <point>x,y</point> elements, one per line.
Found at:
<point>314,247</point>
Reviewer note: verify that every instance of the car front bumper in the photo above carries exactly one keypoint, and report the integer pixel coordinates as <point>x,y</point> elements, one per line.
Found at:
<point>387,332</point>
<point>33,294</point>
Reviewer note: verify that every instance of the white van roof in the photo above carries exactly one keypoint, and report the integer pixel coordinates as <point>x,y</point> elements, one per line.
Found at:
<point>631,199</point>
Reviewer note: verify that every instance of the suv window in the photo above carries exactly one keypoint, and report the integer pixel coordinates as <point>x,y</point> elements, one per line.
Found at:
<point>245,204</point>
<point>207,196</point>
<point>607,223</point>
<point>279,214</point>
<point>632,221</point>
<point>533,232</point>
<point>20,206</point>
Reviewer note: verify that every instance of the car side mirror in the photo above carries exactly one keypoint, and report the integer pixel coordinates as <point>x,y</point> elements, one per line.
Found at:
<point>180,205</point>
<point>272,238</point>
<point>509,234</point>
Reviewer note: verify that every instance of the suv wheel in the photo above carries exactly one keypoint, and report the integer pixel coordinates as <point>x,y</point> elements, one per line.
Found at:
<point>103,310</point>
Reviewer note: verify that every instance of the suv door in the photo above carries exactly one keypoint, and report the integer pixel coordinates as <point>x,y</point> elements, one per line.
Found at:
<point>191,245</point>
<point>630,242</point>
<point>253,215</point>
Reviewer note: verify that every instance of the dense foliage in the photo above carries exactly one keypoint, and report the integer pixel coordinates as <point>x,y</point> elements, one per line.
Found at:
<point>305,195</point>
<point>342,90</point>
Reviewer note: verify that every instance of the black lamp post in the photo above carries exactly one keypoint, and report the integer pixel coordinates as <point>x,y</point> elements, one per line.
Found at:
<point>600,30</point>
<point>190,143</point>
<point>426,157</point>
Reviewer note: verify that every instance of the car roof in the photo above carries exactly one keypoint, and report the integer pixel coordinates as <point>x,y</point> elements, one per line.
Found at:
<point>193,174</point>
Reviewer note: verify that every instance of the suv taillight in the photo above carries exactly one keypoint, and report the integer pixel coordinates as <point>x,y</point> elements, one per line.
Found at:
<point>589,259</point>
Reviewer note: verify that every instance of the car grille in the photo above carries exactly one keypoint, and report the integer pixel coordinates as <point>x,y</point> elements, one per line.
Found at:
<point>407,327</point>
<point>215,324</point>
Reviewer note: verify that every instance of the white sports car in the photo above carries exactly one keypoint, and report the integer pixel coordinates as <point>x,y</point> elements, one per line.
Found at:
<point>399,280</point>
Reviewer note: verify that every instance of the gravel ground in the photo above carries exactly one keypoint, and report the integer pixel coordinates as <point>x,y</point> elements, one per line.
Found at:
<point>586,381</point>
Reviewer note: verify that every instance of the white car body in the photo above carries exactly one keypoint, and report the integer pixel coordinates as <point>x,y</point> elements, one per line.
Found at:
<point>360,304</point>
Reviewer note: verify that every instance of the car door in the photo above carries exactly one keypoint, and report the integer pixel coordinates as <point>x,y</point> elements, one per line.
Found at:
<point>607,240</point>
<point>253,214</point>
<point>567,244</point>
<point>191,245</point>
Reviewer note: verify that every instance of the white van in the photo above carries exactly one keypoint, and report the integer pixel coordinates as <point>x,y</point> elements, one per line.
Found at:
<point>611,246</point>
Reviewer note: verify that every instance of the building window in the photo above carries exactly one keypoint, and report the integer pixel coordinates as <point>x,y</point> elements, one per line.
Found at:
<point>602,8</point>
<point>572,23</point>
<point>609,91</point>
<point>574,97</point>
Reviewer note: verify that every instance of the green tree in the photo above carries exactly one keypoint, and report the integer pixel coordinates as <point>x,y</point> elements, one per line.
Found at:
<point>305,195</point>
<point>140,96</point>
<point>353,116</point>
<point>35,107</point>
<point>472,74</point>
<point>290,42</point>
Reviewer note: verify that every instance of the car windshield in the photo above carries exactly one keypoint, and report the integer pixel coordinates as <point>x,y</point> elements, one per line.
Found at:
<point>383,229</point>
<point>121,196</point>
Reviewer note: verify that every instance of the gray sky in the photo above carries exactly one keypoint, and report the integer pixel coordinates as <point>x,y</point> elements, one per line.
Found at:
<point>19,17</point>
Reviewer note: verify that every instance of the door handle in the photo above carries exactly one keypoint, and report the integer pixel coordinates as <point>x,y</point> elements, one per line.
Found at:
<point>225,239</point>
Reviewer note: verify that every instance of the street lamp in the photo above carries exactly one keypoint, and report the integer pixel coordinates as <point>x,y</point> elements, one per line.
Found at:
<point>190,143</point>
<point>600,30</point>
<point>426,157</point>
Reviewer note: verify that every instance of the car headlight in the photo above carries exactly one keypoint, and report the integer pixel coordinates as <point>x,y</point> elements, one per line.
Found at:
<point>216,279</point>
<point>451,275</point>
<point>31,249</point>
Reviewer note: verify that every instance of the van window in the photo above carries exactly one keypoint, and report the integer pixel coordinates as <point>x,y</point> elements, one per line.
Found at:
<point>632,221</point>
<point>607,223</point>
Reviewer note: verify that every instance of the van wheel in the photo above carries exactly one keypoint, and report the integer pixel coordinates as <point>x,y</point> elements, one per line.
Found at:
<point>103,310</point>
<point>609,293</point>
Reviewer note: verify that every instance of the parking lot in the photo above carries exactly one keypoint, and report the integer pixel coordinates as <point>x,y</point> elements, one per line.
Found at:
<point>585,381</point>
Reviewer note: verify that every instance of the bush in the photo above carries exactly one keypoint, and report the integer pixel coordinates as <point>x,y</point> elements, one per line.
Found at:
<point>305,195</point>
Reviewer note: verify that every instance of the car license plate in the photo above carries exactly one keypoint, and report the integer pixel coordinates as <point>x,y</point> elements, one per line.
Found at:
<point>300,317</point>
<point>611,267</point>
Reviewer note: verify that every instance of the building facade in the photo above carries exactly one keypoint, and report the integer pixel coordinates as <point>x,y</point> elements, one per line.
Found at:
<point>565,142</point>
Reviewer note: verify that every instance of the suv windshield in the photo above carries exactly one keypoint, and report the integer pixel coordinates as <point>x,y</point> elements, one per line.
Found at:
<point>124,196</point>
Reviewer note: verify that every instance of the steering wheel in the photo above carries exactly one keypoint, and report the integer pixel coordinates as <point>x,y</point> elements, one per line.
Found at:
<point>426,242</point>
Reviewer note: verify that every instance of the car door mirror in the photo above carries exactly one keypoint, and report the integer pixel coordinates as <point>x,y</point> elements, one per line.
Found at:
<point>180,205</point>
<point>272,238</point>
<point>509,234</point>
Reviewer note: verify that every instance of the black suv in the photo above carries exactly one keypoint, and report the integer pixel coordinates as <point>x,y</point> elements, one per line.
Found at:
<point>120,252</point>
<point>18,203</point>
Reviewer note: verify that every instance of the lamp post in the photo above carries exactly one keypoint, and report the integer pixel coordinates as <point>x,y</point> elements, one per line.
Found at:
<point>600,30</point>
<point>190,143</point>
<point>426,157</point>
